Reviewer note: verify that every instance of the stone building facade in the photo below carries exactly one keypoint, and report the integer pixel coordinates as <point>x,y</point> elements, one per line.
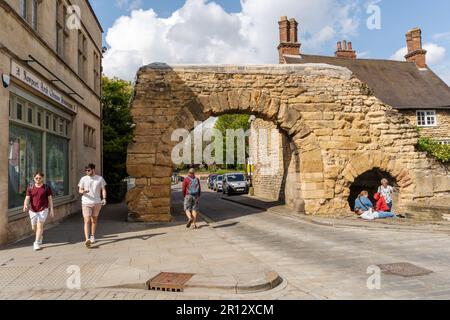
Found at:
<point>410,86</point>
<point>50,64</point>
<point>337,130</point>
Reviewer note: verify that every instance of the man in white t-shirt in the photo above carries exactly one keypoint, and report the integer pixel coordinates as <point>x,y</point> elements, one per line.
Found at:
<point>93,189</point>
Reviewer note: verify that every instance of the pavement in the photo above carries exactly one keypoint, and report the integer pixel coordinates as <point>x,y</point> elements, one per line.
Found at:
<point>246,248</point>
<point>127,256</point>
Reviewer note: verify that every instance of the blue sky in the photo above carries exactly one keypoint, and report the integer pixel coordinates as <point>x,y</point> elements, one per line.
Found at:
<point>231,31</point>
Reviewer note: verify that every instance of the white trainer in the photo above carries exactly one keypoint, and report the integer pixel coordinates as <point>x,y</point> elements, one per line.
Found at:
<point>40,241</point>
<point>92,239</point>
<point>36,246</point>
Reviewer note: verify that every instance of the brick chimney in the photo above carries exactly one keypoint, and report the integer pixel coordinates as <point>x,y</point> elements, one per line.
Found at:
<point>288,38</point>
<point>345,50</point>
<point>415,53</point>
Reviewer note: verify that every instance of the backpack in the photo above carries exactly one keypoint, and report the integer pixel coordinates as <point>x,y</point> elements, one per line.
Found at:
<point>194,187</point>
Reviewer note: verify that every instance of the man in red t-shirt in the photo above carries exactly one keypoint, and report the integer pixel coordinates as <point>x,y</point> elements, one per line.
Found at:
<point>39,203</point>
<point>191,193</point>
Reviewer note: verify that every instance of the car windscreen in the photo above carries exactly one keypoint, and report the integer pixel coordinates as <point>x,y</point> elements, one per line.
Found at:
<point>219,178</point>
<point>236,178</point>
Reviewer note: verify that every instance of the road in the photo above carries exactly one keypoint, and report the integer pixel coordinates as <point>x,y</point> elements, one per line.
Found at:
<point>315,261</point>
<point>334,263</point>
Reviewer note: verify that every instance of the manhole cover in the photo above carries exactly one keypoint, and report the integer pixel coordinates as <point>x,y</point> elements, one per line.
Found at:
<point>166,281</point>
<point>404,269</point>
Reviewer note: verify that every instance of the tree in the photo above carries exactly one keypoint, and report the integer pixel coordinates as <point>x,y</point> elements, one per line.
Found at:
<point>117,133</point>
<point>232,122</point>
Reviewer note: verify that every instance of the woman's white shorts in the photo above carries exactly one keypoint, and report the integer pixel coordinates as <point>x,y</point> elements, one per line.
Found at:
<point>38,217</point>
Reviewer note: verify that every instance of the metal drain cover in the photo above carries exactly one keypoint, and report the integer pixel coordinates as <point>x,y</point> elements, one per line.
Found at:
<point>168,281</point>
<point>404,269</point>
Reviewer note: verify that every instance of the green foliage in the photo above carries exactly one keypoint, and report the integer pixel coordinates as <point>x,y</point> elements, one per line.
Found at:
<point>439,151</point>
<point>232,122</point>
<point>117,133</point>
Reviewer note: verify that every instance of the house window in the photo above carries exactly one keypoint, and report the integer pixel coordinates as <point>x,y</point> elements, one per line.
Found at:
<point>82,55</point>
<point>34,13</point>
<point>23,8</point>
<point>28,10</point>
<point>426,118</point>
<point>445,141</point>
<point>96,72</point>
<point>89,136</point>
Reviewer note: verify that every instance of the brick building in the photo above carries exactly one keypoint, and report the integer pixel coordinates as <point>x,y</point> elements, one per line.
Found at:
<point>50,109</point>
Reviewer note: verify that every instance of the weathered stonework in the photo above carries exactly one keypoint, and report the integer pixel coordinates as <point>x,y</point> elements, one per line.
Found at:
<point>330,117</point>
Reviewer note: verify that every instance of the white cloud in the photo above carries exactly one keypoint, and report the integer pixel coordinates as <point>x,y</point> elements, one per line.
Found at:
<point>129,4</point>
<point>442,36</point>
<point>399,55</point>
<point>435,54</point>
<point>203,32</point>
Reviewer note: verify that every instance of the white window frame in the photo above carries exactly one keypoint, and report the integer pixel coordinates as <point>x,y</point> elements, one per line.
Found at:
<point>426,114</point>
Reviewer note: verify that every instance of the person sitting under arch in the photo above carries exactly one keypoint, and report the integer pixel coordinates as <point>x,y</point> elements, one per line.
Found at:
<point>365,209</point>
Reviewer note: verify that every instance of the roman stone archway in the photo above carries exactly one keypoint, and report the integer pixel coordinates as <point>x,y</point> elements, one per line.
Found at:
<point>330,116</point>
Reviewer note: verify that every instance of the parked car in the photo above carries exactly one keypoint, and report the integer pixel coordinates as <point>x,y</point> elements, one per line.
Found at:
<point>218,183</point>
<point>235,183</point>
<point>210,182</point>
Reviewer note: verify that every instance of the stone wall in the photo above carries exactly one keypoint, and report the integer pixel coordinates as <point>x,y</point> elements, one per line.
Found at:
<point>339,129</point>
<point>439,132</point>
<point>267,154</point>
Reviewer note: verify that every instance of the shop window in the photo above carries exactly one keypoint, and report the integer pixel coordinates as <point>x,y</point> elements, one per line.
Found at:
<point>57,156</point>
<point>39,119</point>
<point>19,110</point>
<point>30,115</point>
<point>24,158</point>
<point>36,134</point>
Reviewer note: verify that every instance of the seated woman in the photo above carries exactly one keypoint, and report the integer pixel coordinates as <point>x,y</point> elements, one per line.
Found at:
<point>364,208</point>
<point>363,202</point>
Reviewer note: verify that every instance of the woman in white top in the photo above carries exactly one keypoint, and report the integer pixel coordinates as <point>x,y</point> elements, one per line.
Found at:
<point>387,192</point>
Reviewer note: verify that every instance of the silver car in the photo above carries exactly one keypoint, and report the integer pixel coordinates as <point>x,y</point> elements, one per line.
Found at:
<point>218,183</point>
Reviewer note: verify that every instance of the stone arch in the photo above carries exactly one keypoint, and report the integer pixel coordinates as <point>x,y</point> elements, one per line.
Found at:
<point>338,127</point>
<point>378,160</point>
<point>168,99</point>
<point>370,182</point>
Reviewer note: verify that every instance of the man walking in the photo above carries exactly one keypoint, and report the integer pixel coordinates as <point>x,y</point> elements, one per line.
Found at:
<point>92,187</point>
<point>191,193</point>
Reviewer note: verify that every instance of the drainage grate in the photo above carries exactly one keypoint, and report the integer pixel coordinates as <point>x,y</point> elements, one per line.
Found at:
<point>172,282</point>
<point>404,269</point>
